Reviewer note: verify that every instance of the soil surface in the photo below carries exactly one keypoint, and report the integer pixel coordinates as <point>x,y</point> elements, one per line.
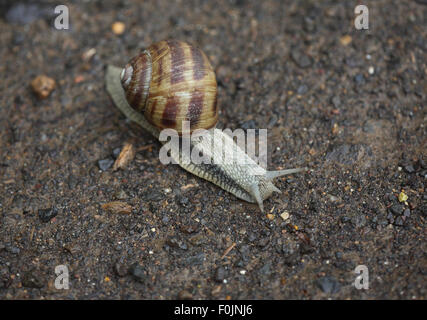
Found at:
<point>349,104</point>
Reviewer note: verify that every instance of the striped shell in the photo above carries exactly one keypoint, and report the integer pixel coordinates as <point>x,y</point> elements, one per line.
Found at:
<point>171,82</point>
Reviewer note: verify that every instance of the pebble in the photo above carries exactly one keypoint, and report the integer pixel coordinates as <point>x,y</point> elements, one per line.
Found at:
<point>397,209</point>
<point>301,59</point>
<point>138,272</point>
<point>399,221</point>
<point>338,255</point>
<point>118,28</point>
<point>42,86</point>
<point>406,213</point>
<point>105,164</point>
<point>359,79</point>
<point>263,242</point>
<point>220,274</point>
<point>336,101</point>
<point>120,269</point>
<point>183,201</point>
<point>45,215</point>
<point>302,89</point>
<point>328,284</point>
<point>409,168</point>
<point>116,152</point>
<point>371,70</point>
<point>33,279</point>
<point>346,40</point>
<point>266,269</point>
<point>284,215</point>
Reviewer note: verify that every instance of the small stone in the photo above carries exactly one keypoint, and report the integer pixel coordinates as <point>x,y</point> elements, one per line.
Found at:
<point>406,213</point>
<point>183,201</point>
<point>120,195</point>
<point>336,101</point>
<point>284,215</point>
<point>220,274</point>
<point>138,273</point>
<point>116,152</point>
<point>302,89</point>
<point>399,221</point>
<point>45,215</point>
<point>328,285</point>
<point>270,216</point>
<point>120,269</point>
<point>263,242</point>
<point>33,279</point>
<point>390,217</point>
<point>346,40</point>
<point>371,70</point>
<point>403,197</point>
<point>118,28</point>
<point>345,219</point>
<point>266,269</point>
<point>105,164</point>
<point>359,79</point>
<point>397,209</point>
<point>409,168</point>
<point>185,295</point>
<point>43,86</point>
<point>301,59</point>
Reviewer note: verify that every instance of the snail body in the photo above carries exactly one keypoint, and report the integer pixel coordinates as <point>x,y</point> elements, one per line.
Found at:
<point>171,82</point>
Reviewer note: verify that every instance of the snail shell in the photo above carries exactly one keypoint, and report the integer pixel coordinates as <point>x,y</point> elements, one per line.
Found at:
<point>170,82</point>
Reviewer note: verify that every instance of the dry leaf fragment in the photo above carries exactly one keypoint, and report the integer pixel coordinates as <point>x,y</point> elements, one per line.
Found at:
<point>117,207</point>
<point>125,157</point>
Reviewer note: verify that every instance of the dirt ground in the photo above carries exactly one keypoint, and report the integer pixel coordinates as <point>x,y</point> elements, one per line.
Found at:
<point>349,104</point>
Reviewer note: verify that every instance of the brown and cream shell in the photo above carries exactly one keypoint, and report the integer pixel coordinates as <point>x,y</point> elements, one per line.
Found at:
<point>170,82</point>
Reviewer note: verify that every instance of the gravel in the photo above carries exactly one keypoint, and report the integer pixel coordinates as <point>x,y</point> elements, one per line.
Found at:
<point>299,69</point>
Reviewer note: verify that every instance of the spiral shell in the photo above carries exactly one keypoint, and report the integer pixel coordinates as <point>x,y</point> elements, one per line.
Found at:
<point>171,82</point>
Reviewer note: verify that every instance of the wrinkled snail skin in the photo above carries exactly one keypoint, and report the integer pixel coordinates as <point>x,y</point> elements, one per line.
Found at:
<point>170,82</point>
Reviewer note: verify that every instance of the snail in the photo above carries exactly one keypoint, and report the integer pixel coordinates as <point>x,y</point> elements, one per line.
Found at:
<point>172,81</point>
